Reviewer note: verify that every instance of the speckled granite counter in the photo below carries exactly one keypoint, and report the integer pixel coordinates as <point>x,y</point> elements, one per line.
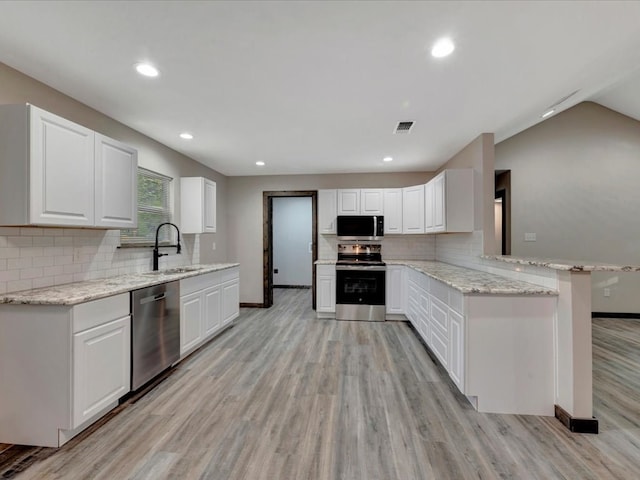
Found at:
<point>467,280</point>
<point>567,265</point>
<point>80,292</point>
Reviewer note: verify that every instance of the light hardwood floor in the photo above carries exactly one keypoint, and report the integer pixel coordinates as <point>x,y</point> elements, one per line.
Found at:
<point>283,395</point>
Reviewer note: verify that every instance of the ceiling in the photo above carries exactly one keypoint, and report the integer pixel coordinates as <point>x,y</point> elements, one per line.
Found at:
<point>318,87</point>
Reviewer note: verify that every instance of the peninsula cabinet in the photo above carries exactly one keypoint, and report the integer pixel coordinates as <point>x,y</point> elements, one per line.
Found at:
<point>54,172</point>
<point>208,304</point>
<point>327,211</point>
<point>197,205</point>
<point>395,289</point>
<point>62,368</point>
<point>497,349</point>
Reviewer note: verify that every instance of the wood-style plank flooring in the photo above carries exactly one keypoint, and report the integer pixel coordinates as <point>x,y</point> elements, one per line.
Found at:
<point>283,395</point>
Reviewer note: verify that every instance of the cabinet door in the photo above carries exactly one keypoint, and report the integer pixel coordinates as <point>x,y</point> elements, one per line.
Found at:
<point>209,220</point>
<point>326,288</point>
<point>439,330</point>
<point>372,201</point>
<point>212,310</point>
<point>413,209</point>
<point>101,367</point>
<point>392,210</point>
<point>327,211</point>
<point>396,285</point>
<point>116,184</point>
<point>456,349</point>
<point>349,202</point>
<point>190,321</point>
<point>429,221</point>
<point>439,217</point>
<point>61,171</point>
<point>230,301</point>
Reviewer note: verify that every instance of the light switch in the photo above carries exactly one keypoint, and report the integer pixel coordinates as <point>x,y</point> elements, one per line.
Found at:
<point>213,246</point>
<point>529,237</point>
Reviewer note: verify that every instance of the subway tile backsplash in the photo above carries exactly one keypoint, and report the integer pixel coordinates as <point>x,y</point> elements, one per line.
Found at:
<point>394,247</point>
<point>44,257</point>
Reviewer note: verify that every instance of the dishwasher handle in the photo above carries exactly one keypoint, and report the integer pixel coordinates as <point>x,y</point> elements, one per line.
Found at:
<point>153,298</point>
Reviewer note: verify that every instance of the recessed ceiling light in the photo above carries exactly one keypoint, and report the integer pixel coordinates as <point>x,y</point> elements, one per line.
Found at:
<point>442,48</point>
<point>147,70</point>
<point>548,113</point>
<point>186,136</point>
<point>387,159</point>
<point>260,164</point>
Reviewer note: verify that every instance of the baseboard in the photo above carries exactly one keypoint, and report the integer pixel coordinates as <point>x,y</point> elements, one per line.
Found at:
<point>576,425</point>
<point>615,315</point>
<point>252,305</point>
<point>292,286</point>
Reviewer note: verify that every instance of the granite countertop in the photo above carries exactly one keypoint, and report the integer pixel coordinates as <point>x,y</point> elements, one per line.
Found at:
<point>467,280</point>
<point>80,292</point>
<point>567,265</point>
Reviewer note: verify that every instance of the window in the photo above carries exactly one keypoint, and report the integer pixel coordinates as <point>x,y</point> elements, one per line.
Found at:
<point>153,209</point>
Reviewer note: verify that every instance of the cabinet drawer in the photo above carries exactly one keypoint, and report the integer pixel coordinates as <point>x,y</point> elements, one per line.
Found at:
<point>91,314</point>
<point>228,275</point>
<point>439,316</point>
<point>199,282</point>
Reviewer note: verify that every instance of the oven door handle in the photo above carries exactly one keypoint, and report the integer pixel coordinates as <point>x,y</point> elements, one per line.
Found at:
<point>369,268</point>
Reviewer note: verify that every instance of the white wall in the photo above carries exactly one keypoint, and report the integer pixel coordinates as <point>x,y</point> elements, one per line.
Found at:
<point>292,222</point>
<point>246,218</point>
<point>26,253</point>
<point>574,182</point>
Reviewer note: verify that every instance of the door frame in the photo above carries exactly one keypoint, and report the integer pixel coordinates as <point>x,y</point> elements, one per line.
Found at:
<point>267,240</point>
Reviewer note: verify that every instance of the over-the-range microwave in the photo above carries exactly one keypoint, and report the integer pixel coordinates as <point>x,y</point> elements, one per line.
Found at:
<point>360,227</point>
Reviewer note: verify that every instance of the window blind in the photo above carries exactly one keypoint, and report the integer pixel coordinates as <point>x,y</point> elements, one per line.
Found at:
<point>153,209</point>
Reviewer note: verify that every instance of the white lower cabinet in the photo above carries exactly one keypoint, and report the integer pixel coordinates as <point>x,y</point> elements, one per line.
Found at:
<point>325,290</point>
<point>191,319</point>
<point>208,303</point>
<point>456,348</point>
<point>101,368</point>
<point>395,289</point>
<point>62,368</point>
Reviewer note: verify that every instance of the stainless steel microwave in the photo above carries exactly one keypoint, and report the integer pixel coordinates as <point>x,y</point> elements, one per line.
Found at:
<point>360,227</point>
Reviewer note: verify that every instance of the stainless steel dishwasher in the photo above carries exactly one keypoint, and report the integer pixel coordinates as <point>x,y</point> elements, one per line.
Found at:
<point>155,331</point>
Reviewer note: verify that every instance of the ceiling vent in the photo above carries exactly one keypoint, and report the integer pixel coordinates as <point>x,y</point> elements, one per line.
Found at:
<point>403,127</point>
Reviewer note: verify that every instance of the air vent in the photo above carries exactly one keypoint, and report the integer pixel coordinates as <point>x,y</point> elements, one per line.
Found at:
<point>403,127</point>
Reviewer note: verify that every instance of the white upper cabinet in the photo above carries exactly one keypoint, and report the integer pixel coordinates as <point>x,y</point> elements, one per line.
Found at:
<point>366,201</point>
<point>449,202</point>
<point>50,169</point>
<point>197,205</point>
<point>116,179</point>
<point>327,211</point>
<point>413,209</point>
<point>392,210</point>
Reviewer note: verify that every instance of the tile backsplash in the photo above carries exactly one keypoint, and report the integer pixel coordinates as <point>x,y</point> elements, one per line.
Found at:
<point>32,257</point>
<point>394,247</point>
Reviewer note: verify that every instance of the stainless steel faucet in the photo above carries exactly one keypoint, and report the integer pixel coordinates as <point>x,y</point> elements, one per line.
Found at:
<point>156,253</point>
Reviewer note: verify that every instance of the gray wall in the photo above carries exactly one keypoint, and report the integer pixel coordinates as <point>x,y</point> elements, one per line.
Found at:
<point>574,183</point>
<point>292,222</point>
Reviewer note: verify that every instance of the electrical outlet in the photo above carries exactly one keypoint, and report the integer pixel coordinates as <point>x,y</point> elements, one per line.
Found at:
<point>529,237</point>
<point>213,246</point>
<point>76,254</point>
<point>607,292</point>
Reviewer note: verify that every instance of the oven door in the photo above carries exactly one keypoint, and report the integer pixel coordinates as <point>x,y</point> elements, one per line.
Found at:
<point>360,292</point>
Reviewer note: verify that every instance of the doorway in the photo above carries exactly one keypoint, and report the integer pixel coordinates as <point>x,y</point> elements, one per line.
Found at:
<point>272,201</point>
<point>502,209</point>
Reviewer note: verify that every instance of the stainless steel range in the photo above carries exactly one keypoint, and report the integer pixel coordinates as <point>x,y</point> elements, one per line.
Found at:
<point>360,282</point>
